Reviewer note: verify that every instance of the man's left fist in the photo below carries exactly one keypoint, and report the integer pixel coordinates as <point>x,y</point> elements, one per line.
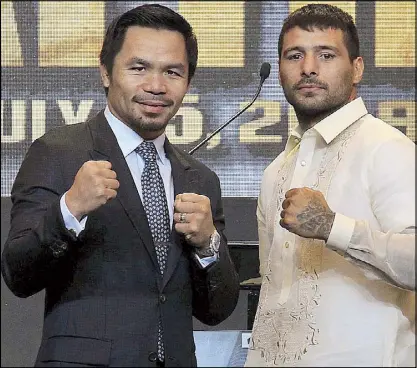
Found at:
<point>193,218</point>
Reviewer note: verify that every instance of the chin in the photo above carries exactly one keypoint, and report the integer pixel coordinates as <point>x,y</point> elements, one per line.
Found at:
<point>152,126</point>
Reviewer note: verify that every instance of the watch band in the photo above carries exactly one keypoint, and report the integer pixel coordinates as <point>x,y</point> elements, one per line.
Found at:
<point>213,247</point>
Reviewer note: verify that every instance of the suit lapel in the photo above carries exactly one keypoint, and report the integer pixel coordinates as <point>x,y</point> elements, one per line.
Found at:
<point>186,179</point>
<point>106,147</point>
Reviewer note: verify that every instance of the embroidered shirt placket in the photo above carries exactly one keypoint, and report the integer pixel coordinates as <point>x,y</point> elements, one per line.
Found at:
<point>303,152</point>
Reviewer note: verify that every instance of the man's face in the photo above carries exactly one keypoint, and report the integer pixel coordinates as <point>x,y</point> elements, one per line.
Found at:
<point>315,71</point>
<point>149,79</point>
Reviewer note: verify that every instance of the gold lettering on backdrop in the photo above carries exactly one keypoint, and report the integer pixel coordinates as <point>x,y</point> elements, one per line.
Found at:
<point>11,49</point>
<point>74,116</point>
<point>70,33</point>
<point>38,118</point>
<point>191,123</point>
<point>213,142</point>
<point>271,111</point>
<point>399,114</point>
<point>18,112</point>
<point>395,34</point>
<point>220,30</point>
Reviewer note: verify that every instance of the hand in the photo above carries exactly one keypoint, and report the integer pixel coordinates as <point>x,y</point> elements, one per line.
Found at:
<point>94,185</point>
<point>192,217</point>
<point>305,212</point>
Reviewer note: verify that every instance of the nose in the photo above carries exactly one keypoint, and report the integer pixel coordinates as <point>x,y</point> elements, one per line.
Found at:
<point>309,66</point>
<point>154,83</point>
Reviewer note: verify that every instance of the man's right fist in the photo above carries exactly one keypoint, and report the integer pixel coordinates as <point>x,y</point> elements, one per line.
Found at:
<point>94,185</point>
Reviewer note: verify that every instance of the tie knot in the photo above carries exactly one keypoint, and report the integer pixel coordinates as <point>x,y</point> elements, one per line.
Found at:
<point>147,151</point>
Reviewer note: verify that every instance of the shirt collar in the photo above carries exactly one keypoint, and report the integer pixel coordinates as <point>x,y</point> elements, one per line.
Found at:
<point>331,126</point>
<point>129,140</point>
<point>334,124</point>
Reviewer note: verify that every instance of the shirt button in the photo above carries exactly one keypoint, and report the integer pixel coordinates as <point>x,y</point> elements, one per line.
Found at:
<point>162,298</point>
<point>152,357</point>
<point>287,245</point>
<point>303,163</point>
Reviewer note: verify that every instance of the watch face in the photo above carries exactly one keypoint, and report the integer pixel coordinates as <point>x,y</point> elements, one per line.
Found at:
<point>215,241</point>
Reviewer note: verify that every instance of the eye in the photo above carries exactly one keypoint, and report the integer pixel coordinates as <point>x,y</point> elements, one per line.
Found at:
<point>327,56</point>
<point>173,73</point>
<point>294,56</point>
<point>138,68</point>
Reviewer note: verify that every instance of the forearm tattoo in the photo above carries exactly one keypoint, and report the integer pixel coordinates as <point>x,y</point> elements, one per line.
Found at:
<point>316,219</point>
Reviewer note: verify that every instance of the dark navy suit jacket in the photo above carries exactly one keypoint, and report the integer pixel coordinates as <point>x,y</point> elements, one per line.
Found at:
<point>104,293</point>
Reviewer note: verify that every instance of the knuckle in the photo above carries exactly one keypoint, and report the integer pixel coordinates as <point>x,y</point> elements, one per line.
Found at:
<point>101,191</point>
<point>205,198</point>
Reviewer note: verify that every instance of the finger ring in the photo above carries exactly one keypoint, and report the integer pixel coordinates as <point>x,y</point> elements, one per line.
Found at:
<point>188,236</point>
<point>182,217</point>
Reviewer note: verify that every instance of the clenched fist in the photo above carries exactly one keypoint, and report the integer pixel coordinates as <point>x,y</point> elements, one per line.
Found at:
<point>305,212</point>
<point>94,185</point>
<point>192,217</point>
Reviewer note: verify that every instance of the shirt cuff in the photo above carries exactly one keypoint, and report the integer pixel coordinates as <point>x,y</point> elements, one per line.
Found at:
<point>341,232</point>
<point>71,222</point>
<point>206,261</point>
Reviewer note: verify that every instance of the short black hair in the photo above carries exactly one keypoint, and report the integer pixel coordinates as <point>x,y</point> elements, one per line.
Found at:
<point>323,16</point>
<point>151,16</point>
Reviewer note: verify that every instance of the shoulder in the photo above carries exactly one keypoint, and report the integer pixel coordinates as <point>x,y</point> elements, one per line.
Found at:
<point>376,131</point>
<point>71,136</point>
<point>63,134</point>
<point>187,160</point>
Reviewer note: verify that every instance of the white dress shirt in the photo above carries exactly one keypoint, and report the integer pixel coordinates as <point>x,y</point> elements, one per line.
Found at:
<point>128,141</point>
<point>343,303</point>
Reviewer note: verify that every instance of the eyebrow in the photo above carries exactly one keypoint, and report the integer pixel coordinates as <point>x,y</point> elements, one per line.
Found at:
<point>315,48</point>
<point>136,60</point>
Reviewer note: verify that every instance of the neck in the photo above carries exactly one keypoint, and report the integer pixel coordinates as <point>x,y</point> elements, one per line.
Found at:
<point>307,120</point>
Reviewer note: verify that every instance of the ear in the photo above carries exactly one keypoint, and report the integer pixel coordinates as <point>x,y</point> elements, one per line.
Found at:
<point>358,67</point>
<point>105,78</point>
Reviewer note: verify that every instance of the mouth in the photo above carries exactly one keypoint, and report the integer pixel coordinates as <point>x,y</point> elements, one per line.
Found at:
<point>309,87</point>
<point>152,106</point>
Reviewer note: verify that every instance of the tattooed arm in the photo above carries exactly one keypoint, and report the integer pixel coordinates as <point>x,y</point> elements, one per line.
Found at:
<point>307,214</point>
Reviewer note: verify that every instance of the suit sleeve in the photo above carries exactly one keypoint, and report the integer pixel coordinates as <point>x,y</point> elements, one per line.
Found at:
<point>38,244</point>
<point>216,288</point>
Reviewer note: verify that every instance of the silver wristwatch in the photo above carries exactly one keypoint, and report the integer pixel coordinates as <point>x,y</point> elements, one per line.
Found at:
<point>213,247</point>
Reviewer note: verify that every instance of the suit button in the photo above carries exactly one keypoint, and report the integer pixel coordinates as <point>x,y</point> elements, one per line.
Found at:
<point>162,298</point>
<point>63,246</point>
<point>56,253</point>
<point>152,357</point>
<point>58,249</point>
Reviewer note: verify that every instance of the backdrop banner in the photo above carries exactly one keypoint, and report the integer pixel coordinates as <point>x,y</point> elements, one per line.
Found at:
<point>50,77</point>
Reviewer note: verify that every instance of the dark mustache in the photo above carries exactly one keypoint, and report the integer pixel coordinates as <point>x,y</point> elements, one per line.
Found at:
<point>140,99</point>
<point>311,82</point>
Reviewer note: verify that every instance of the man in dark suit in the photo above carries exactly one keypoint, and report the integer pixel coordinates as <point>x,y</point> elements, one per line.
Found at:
<point>87,217</point>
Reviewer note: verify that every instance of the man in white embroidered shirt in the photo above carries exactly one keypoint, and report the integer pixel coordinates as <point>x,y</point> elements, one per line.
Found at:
<point>336,214</point>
